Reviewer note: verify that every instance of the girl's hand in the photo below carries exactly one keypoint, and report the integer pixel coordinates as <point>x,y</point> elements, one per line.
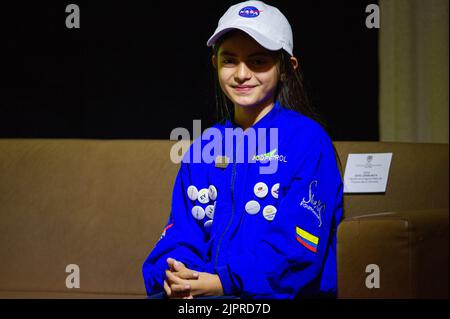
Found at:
<point>180,270</point>
<point>206,285</point>
<point>177,291</point>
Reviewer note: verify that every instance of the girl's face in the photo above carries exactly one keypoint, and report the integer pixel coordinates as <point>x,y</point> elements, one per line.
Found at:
<point>248,73</point>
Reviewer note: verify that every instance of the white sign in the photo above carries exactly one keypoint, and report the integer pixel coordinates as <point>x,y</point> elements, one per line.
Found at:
<point>367,173</point>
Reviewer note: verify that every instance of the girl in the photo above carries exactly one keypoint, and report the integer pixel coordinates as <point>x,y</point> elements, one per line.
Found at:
<point>265,226</point>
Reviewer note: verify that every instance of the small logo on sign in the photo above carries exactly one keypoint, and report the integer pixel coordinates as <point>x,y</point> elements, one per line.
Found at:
<point>369,161</point>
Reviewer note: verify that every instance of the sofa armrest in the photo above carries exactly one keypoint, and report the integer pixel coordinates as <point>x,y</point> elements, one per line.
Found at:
<point>394,255</point>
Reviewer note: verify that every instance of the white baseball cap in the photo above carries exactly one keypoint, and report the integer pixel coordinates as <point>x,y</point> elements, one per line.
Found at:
<point>264,23</point>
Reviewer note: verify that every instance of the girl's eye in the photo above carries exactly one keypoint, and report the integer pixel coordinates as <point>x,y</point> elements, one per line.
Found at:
<point>258,62</point>
<point>227,61</point>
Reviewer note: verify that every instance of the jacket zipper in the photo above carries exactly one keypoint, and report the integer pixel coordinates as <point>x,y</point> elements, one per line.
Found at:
<point>233,176</point>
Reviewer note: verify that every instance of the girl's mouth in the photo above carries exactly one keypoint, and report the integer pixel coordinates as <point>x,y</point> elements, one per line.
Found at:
<point>243,88</point>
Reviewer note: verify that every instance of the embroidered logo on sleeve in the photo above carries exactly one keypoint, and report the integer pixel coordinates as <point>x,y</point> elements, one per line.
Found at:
<point>314,206</point>
<point>307,240</point>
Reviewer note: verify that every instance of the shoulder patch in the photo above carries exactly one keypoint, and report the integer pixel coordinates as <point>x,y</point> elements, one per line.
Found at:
<point>309,241</point>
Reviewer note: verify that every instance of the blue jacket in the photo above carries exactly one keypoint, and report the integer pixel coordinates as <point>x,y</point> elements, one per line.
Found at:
<point>266,235</point>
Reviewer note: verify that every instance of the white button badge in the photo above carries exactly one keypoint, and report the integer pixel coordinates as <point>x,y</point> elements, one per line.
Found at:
<point>269,212</point>
<point>261,189</point>
<point>252,207</point>
<point>274,190</point>
<point>212,192</point>
<point>198,212</point>
<point>208,224</point>
<point>209,210</point>
<point>192,192</point>
<point>203,196</point>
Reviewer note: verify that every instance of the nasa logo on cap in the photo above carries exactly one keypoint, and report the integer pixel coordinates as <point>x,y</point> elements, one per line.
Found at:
<point>249,12</point>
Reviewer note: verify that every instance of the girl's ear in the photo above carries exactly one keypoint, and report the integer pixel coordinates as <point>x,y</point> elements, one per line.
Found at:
<point>214,61</point>
<point>294,62</point>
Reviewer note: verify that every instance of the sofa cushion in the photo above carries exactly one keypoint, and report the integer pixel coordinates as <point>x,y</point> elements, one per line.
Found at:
<point>410,250</point>
<point>95,203</point>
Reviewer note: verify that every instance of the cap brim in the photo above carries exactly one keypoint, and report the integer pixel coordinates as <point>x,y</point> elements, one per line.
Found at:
<point>258,37</point>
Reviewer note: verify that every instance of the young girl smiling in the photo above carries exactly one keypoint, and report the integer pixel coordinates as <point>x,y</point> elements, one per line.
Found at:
<point>234,230</point>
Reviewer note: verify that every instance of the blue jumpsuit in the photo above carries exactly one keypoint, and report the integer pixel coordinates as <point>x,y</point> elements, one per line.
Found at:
<point>266,235</point>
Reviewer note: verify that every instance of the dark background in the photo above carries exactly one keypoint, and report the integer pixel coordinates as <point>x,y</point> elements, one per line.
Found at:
<point>140,69</point>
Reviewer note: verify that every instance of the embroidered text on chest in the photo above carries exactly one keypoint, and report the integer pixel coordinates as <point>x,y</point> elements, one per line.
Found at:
<point>315,206</point>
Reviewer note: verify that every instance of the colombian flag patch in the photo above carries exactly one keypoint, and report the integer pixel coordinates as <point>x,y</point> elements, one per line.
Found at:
<point>306,239</point>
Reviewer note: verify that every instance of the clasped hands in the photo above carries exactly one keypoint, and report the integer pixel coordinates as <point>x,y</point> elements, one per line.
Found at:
<point>182,282</point>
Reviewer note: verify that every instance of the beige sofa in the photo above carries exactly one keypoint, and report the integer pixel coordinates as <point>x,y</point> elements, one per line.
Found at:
<point>102,205</point>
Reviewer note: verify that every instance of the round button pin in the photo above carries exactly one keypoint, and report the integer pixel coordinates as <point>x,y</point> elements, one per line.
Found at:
<point>212,192</point>
<point>274,190</point>
<point>203,196</point>
<point>260,190</point>
<point>192,192</point>
<point>269,212</point>
<point>209,210</point>
<point>208,224</point>
<point>198,212</point>
<point>252,207</point>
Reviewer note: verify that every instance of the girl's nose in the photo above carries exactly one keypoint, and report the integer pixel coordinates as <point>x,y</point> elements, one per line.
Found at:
<point>242,73</point>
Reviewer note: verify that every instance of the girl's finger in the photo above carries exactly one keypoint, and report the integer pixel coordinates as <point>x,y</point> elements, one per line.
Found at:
<point>167,289</point>
<point>172,279</point>
<point>175,264</point>
<point>170,263</point>
<point>180,288</point>
<point>169,278</point>
<point>178,265</point>
<point>187,274</point>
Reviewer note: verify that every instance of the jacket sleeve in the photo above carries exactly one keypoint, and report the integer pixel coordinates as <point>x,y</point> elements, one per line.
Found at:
<point>183,237</point>
<point>292,252</point>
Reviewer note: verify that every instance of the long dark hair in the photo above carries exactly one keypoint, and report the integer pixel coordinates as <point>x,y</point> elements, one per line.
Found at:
<point>290,91</point>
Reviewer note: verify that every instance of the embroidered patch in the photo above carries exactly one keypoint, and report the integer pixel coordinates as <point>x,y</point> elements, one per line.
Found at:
<point>269,156</point>
<point>314,206</point>
<point>249,12</point>
<point>309,241</point>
